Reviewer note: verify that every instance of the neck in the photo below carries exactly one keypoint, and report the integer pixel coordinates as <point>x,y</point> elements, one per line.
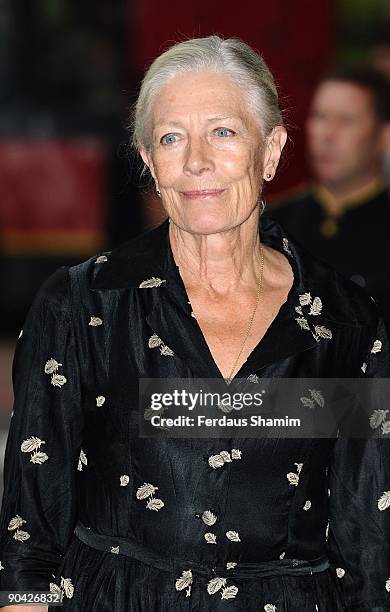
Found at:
<point>221,261</point>
<point>337,197</point>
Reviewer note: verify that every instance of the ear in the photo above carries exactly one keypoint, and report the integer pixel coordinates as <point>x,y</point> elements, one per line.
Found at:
<point>147,159</point>
<point>273,150</point>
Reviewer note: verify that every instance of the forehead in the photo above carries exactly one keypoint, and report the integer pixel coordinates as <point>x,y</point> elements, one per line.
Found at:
<point>343,96</point>
<point>204,94</point>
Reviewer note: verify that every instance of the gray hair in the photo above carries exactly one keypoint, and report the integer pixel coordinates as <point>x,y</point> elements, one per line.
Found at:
<point>230,55</point>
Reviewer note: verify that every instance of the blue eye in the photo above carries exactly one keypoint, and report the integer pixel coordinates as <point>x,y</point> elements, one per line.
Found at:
<point>168,139</point>
<point>224,132</point>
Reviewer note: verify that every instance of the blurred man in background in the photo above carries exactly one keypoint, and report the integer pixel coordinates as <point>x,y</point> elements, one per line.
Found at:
<point>344,217</point>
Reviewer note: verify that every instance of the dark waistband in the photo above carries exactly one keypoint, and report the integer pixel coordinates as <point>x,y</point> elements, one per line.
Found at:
<point>123,546</point>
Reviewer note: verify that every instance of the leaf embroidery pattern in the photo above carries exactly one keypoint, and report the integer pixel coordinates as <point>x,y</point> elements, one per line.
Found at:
<point>101,259</point>
<point>208,517</point>
<point>386,427</point>
<point>231,565</point>
<point>115,550</point>
<point>293,477</point>
<point>215,584</point>
<point>377,418</point>
<point>14,525</point>
<point>315,309</point>
<point>1,566</point>
<point>184,582</point>
<point>210,538</point>
<point>307,505</point>
<point>100,400</point>
<point>316,397</point>
<point>233,536</point>
<point>66,588</point>
<point>384,501</point>
<point>30,446</point>
<point>154,342</point>
<point>270,608</point>
<point>51,367</point>
<point>253,378</point>
<point>340,572</point>
<point>364,367</point>
<point>20,334</point>
<point>387,585</point>
<point>282,555</point>
<point>217,461</point>
<point>151,282</point>
<point>377,347</point>
<point>95,321</point>
<point>82,460</point>
<point>124,480</point>
<point>146,491</point>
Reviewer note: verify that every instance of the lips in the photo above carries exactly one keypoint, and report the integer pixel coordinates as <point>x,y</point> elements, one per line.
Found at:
<point>202,193</point>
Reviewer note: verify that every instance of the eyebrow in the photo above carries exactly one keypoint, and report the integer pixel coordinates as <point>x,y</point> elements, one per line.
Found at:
<point>179,124</point>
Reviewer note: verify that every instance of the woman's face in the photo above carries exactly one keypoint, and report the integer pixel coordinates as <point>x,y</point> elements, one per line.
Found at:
<point>207,152</point>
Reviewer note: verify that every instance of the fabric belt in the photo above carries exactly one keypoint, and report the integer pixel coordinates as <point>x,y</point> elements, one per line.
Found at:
<point>123,546</point>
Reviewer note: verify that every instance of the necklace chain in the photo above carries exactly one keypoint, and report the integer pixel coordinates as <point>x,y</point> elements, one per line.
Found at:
<point>229,379</point>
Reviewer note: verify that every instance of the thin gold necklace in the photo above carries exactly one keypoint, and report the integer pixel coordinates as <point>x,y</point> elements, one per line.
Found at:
<point>230,377</point>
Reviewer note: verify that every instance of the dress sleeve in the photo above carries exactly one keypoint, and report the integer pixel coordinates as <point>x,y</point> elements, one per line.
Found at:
<point>359,506</point>
<point>39,505</point>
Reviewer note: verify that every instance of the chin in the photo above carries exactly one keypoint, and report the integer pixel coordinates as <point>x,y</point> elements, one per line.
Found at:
<point>202,223</point>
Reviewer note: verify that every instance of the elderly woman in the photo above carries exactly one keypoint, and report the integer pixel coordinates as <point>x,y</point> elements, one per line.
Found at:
<point>109,520</point>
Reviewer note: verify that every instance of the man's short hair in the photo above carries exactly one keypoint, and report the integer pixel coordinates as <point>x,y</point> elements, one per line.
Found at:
<point>368,78</point>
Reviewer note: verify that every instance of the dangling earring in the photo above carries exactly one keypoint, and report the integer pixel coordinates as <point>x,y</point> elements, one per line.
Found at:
<point>157,190</point>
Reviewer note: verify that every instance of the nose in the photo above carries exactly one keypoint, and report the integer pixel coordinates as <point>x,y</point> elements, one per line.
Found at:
<point>198,157</point>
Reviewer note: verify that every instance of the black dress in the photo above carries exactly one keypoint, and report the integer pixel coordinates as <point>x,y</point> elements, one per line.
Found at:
<point>113,521</point>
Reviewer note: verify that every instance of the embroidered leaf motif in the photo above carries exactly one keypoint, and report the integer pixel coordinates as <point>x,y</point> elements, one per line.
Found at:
<point>16,522</point>
<point>31,444</point>
<point>307,505</point>
<point>115,550</point>
<point>51,366</point>
<point>302,322</point>
<point>340,572</point>
<point>253,378</point>
<point>68,587</point>
<point>101,259</point>
<point>377,346</point>
<point>229,592</point>
<point>165,350</point>
<point>210,538</point>
<point>307,402</point>
<point>215,584</point>
<point>216,461</point>
<point>299,467</point>
<point>384,501</point>
<point>100,400</point>
<point>188,591</point>
<point>293,478</point>
<point>184,581</point>
<point>364,367</point>
<point>299,310</point>
<point>145,490</point>
<point>1,566</point>
<point>225,456</point>
<point>208,517</point>
<point>386,427</point>
<point>305,299</point>
<point>323,332</point>
<point>236,453</point>
<point>124,480</point>
<point>377,417</point>
<point>151,282</point>
<point>20,334</point>
<point>82,460</point>
<point>192,314</point>
<point>154,341</point>
<point>233,536</point>
<point>54,588</point>
<point>317,397</point>
<point>231,564</point>
<point>154,504</point>
<point>387,585</point>
<point>270,608</point>
<point>95,321</point>
<point>57,380</point>
<point>39,457</point>
<point>282,555</point>
<point>22,536</point>
<point>316,307</point>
